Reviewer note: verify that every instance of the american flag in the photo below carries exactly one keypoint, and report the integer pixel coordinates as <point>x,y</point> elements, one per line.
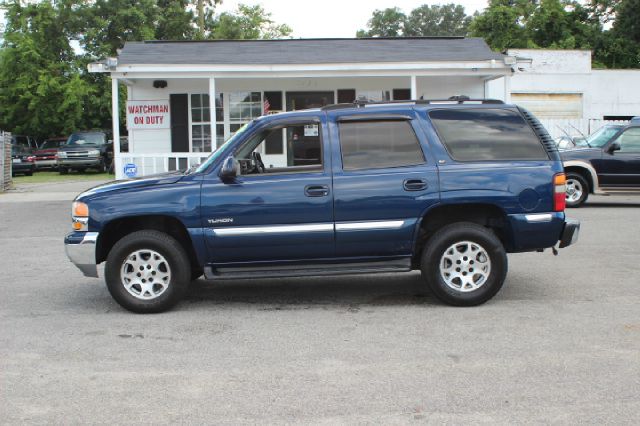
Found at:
<point>267,105</point>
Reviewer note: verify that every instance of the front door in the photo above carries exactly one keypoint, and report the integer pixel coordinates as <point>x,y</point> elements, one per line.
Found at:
<point>383,182</point>
<point>622,168</point>
<point>273,214</point>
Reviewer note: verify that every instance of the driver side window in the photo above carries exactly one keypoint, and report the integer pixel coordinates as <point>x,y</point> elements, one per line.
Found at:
<point>630,140</point>
<point>302,150</point>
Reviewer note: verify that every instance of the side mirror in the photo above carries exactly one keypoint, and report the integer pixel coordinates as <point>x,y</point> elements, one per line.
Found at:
<point>229,169</point>
<point>615,146</point>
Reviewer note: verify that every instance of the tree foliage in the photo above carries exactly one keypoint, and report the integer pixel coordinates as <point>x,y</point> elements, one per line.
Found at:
<point>426,20</point>
<point>45,88</point>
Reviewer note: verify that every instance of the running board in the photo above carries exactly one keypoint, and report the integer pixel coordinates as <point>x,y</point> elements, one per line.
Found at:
<point>304,270</point>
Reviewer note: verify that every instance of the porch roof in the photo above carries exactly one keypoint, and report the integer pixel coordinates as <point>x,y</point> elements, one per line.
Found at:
<point>308,51</point>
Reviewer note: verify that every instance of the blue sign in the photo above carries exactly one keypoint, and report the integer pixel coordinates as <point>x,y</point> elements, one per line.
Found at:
<point>130,170</point>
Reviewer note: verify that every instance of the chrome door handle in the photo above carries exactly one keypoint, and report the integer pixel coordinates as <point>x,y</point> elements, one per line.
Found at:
<point>415,184</point>
<point>316,190</point>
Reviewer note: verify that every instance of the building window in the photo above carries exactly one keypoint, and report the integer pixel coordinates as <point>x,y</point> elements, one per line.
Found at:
<point>200,123</point>
<point>374,95</point>
<point>244,107</point>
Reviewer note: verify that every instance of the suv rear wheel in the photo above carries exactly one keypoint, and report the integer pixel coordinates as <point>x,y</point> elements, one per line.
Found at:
<point>577,189</point>
<point>464,264</point>
<point>147,271</point>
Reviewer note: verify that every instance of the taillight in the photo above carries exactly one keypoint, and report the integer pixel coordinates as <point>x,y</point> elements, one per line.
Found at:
<point>559,192</point>
<point>31,159</point>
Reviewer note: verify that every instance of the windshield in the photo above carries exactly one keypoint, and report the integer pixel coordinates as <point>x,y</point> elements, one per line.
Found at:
<point>49,144</point>
<point>601,136</point>
<point>87,139</point>
<point>215,154</point>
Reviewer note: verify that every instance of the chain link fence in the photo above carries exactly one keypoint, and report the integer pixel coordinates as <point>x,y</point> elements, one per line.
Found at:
<point>5,160</point>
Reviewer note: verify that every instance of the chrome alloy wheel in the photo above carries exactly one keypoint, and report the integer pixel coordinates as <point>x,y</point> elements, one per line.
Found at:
<point>574,190</point>
<point>465,266</point>
<point>145,274</point>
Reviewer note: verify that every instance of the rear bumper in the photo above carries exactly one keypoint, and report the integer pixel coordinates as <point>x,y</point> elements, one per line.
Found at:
<point>81,251</point>
<point>570,233</point>
<point>537,231</point>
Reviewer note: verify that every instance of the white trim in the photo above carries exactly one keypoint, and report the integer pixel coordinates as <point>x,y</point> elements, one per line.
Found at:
<point>362,226</point>
<point>414,87</point>
<point>252,230</point>
<point>589,168</point>
<point>235,68</point>
<point>115,121</point>
<point>312,227</point>
<point>538,217</point>
<point>212,113</point>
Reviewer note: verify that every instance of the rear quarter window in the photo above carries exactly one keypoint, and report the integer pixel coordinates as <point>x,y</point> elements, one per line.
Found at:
<point>486,134</point>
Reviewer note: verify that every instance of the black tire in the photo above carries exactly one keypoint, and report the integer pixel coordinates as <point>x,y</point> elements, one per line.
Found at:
<point>581,182</point>
<point>176,258</point>
<point>80,170</point>
<point>63,170</point>
<point>28,173</point>
<point>441,241</point>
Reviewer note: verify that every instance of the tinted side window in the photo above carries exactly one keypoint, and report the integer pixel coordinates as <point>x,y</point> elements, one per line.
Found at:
<point>378,144</point>
<point>630,140</point>
<point>487,134</point>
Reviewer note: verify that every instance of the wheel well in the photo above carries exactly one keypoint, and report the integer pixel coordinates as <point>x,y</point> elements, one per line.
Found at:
<point>119,228</point>
<point>487,215</point>
<point>582,172</point>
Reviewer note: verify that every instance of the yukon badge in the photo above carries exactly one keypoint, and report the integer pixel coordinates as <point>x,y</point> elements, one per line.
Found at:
<point>220,220</point>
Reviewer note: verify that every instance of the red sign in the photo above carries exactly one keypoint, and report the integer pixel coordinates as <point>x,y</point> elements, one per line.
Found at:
<point>148,115</point>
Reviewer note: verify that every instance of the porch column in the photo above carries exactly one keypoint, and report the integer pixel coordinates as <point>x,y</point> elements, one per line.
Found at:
<point>414,88</point>
<point>115,120</point>
<point>212,112</point>
<point>507,89</point>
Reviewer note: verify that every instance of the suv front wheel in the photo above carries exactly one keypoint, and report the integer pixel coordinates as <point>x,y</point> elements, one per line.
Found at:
<point>464,264</point>
<point>577,190</point>
<point>147,271</point>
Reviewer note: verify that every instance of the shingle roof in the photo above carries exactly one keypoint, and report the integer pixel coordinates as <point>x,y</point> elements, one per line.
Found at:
<point>307,51</point>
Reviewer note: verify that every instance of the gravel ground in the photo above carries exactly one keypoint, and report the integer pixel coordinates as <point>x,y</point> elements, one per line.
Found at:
<point>559,344</point>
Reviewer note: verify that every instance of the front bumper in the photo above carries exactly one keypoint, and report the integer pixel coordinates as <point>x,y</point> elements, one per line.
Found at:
<point>81,250</point>
<point>45,163</point>
<point>80,162</point>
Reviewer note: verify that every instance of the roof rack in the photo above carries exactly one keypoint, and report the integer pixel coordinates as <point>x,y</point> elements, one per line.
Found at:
<point>361,103</point>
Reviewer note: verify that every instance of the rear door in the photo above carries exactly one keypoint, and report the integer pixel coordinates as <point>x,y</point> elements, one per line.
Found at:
<point>383,181</point>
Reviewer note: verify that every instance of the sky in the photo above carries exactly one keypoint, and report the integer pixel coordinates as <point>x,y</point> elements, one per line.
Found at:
<point>332,18</point>
<point>335,18</point>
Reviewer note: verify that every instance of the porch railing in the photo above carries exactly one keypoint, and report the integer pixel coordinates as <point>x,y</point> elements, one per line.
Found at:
<point>154,163</point>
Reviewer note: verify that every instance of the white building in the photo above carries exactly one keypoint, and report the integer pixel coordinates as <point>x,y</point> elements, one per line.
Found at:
<point>567,95</point>
<point>172,123</point>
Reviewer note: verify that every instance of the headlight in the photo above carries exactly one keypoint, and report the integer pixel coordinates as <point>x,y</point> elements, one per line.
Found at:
<point>80,216</point>
<point>94,153</point>
<point>62,154</point>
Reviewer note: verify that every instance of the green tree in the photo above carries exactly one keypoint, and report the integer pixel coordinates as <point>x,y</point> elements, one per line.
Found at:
<point>41,92</point>
<point>175,21</point>
<point>502,24</point>
<point>248,22</point>
<point>385,23</point>
<point>437,20</point>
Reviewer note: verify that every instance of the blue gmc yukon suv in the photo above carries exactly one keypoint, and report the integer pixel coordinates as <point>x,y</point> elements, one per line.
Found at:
<point>444,187</point>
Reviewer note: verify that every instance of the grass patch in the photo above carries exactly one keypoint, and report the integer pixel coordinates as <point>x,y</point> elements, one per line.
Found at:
<point>44,177</point>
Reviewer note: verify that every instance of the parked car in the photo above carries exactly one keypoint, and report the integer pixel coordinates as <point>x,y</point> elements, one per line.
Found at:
<point>27,142</point>
<point>610,164</point>
<point>22,161</point>
<point>447,189</point>
<point>86,150</point>
<point>47,154</point>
